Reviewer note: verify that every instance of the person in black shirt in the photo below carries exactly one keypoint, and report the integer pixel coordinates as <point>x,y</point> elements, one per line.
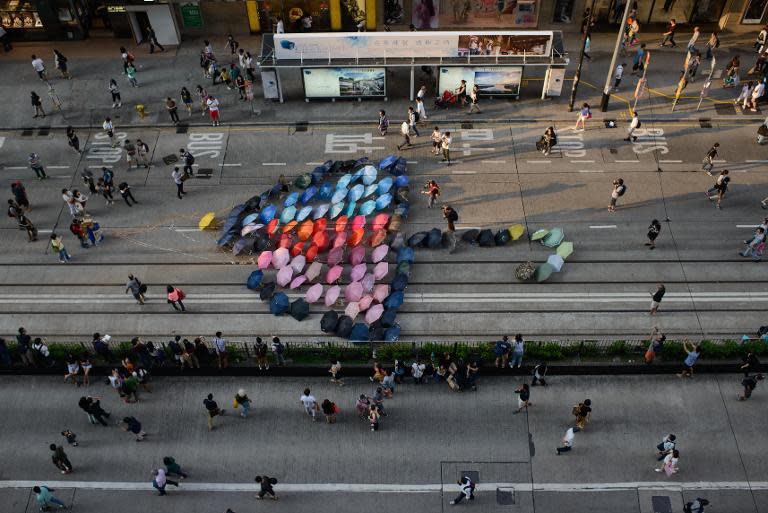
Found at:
<point>23,344</point>
<point>653,231</point>
<point>656,298</point>
<point>749,383</point>
<point>751,364</point>
<point>213,410</point>
<point>523,398</point>
<point>265,485</point>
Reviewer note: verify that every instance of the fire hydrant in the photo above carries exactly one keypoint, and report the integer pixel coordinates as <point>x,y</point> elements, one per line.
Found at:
<point>141,111</point>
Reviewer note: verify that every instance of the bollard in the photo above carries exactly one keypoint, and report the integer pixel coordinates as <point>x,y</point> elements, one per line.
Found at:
<point>141,111</point>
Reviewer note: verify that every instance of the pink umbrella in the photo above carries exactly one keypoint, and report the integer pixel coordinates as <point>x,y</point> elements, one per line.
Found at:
<point>380,222</point>
<point>365,303</point>
<point>357,255</point>
<point>358,222</point>
<point>333,274</point>
<point>297,281</point>
<point>265,258</point>
<point>314,293</point>
<point>313,271</point>
<point>280,258</point>
<point>373,313</point>
<point>340,240</point>
<point>381,270</point>
<point>298,263</point>
<point>354,291</point>
<point>368,281</point>
<point>335,255</point>
<point>332,295</point>
<point>379,253</point>
<point>380,292</point>
<point>284,275</point>
<point>358,272</point>
<point>352,310</point>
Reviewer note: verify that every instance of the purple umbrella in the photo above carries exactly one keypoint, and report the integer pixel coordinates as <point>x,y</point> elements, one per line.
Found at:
<point>380,292</point>
<point>333,274</point>
<point>381,270</point>
<point>297,281</point>
<point>379,253</point>
<point>280,258</point>
<point>265,258</point>
<point>373,313</point>
<point>332,295</point>
<point>314,293</point>
<point>335,255</point>
<point>352,310</point>
<point>357,255</point>
<point>358,272</point>
<point>354,291</point>
<point>284,275</point>
<point>365,303</point>
<point>368,281</point>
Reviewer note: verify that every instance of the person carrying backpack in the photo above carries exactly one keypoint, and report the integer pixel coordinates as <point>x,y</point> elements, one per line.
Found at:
<point>466,490</point>
<point>618,190</point>
<point>451,216</point>
<point>695,506</point>
<point>175,297</point>
<point>188,159</point>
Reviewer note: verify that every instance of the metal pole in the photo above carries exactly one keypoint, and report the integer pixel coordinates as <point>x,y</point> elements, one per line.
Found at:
<point>641,88</point>
<point>577,76</point>
<point>607,88</point>
<point>707,84</point>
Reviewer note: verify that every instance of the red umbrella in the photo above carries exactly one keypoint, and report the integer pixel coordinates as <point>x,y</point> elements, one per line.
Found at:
<point>272,226</point>
<point>380,222</point>
<point>286,241</point>
<point>333,274</point>
<point>297,249</point>
<point>358,222</point>
<point>290,226</point>
<point>354,291</point>
<point>356,237</point>
<point>321,240</point>
<point>341,223</point>
<point>357,255</point>
<point>312,253</point>
<point>320,225</point>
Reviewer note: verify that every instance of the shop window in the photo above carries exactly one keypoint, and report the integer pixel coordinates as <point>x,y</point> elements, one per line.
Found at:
<point>754,12</point>
<point>509,14</point>
<point>295,11</point>
<point>563,12</point>
<point>393,12</point>
<point>15,14</point>
<point>352,15</point>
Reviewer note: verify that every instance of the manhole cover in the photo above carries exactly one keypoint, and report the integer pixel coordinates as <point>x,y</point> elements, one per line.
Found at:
<point>725,109</point>
<point>182,129</point>
<point>170,159</point>
<point>204,172</point>
<point>302,126</point>
<point>505,496</point>
<point>27,132</point>
<point>45,130</point>
<point>661,504</point>
<point>467,126</point>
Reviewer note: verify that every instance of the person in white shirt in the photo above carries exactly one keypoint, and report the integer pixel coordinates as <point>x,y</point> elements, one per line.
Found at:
<point>280,29</point>
<point>39,67</point>
<point>746,91</point>
<point>617,74</point>
<point>669,466</point>
<point>694,37</point>
<point>213,110</point>
<point>178,179</point>
<point>757,92</point>
<point>310,404</point>
<point>422,92</point>
<point>473,99</point>
<point>109,129</point>
<point>568,440</point>
<point>420,109</point>
<point>445,145</point>
<point>405,130</point>
<point>633,125</point>
<point>417,371</point>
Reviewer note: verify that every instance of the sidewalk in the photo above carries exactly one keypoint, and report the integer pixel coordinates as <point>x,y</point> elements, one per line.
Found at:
<point>86,100</point>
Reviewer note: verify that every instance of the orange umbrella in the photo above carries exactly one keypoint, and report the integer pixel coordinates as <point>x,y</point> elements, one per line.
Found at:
<point>320,225</point>
<point>272,226</point>
<point>297,249</point>
<point>341,224</point>
<point>312,253</point>
<point>356,237</point>
<point>377,237</point>
<point>290,226</point>
<point>305,230</point>
<point>321,240</point>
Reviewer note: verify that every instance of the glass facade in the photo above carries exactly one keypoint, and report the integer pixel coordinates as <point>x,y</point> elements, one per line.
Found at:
<point>460,14</point>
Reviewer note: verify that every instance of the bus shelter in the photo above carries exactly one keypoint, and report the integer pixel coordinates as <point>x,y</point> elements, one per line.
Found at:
<point>356,65</point>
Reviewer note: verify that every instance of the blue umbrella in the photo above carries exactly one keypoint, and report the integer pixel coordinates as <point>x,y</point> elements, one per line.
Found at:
<point>383,201</point>
<point>369,175</point>
<point>254,280</point>
<point>279,304</point>
<point>367,208</point>
<point>326,191</point>
<point>385,185</point>
<point>336,210</point>
<point>339,195</point>
<point>267,213</point>
<point>357,176</point>
<point>401,181</point>
<point>371,189</point>
<point>320,210</point>
<point>291,199</point>
<point>287,215</point>
<point>303,213</point>
<point>344,181</point>
<point>387,162</point>
<point>355,193</point>
<point>308,194</point>
<point>351,209</point>
<point>250,218</point>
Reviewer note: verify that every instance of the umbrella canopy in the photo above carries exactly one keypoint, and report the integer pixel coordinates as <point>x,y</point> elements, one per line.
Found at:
<point>358,272</point>
<point>326,192</point>
<point>320,226</point>
<point>260,243</point>
<point>298,263</point>
<point>299,309</point>
<point>303,213</point>
<point>359,333</point>
<point>206,221</point>
<point>387,162</point>
<point>305,230</point>
<point>297,282</point>
<point>284,276</point>
<point>355,193</point>
<point>368,281</point>
<point>279,304</point>
<point>297,248</point>
<point>265,258</point>
<point>369,175</point>
<point>356,237</point>
<point>280,258</point>
<point>254,280</point>
<point>339,195</point>
<point>242,245</point>
<point>340,240</point>
<point>379,253</point>
<point>333,274</point>
<point>335,255</point>
<point>313,271</point>
<point>370,190</point>
<point>344,326</point>
<point>350,210</point>
<point>417,239</point>
<point>352,309</point>
<point>343,181</point>
<point>250,229</point>
<point>288,214</point>
<point>383,201</point>
<point>565,249</point>
<point>358,222</point>
<point>320,210</point>
<point>267,213</point>
<point>291,199</point>
<point>321,240</point>
<point>336,210</point>
<point>377,237</point>
<point>357,255</point>
<point>380,292</point>
<point>556,261</point>
<point>394,300</point>
<point>554,238</point>
<point>539,234</point>
<point>314,293</point>
<point>365,302</point>
<point>374,313</point>
<point>272,226</point>
<point>332,295</point>
<point>353,291</point>
<point>525,271</point>
<point>290,226</point>
<point>385,185</point>
<point>267,291</point>
<point>312,253</point>
<point>249,219</point>
<point>380,222</point>
<point>380,270</point>
<point>404,255</point>
<point>286,241</point>
<point>341,224</point>
<point>388,317</point>
<point>516,231</point>
<point>308,194</point>
<point>329,321</point>
<point>543,272</point>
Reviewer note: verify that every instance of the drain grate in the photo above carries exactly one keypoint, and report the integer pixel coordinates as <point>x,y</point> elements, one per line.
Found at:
<point>705,123</point>
<point>661,504</point>
<point>725,109</point>
<point>505,496</point>
<point>204,172</point>
<point>613,151</point>
<point>302,126</point>
<point>170,159</point>
<point>182,129</point>
<point>44,130</point>
<point>467,126</point>
<point>27,132</point>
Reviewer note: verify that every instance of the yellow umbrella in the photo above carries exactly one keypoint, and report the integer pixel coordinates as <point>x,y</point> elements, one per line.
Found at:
<point>207,220</point>
<point>516,231</point>
<point>565,249</point>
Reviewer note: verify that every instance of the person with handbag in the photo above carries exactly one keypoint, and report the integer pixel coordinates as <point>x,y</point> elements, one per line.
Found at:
<point>242,399</point>
<point>137,288</point>
<point>582,412</point>
<point>669,467</point>
<point>178,178</point>
<point>330,409</point>
<point>265,487</point>
<point>584,114</point>
<point>175,297</point>
<point>666,446</point>
<point>212,410</point>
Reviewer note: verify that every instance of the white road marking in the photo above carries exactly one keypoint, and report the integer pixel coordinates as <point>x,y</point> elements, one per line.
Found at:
<point>670,161</point>
<point>273,164</point>
<point>186,229</point>
<point>539,161</point>
<point>411,161</point>
<point>719,161</point>
<point>602,226</point>
<point>314,163</point>
<point>297,488</point>
<point>2,141</point>
<point>15,167</point>
<point>591,171</point>
<point>626,161</point>
<point>58,167</point>
<point>44,231</point>
<point>747,225</point>
<point>231,165</point>
<point>582,162</point>
<point>756,161</point>
<point>493,161</point>
<point>464,172</point>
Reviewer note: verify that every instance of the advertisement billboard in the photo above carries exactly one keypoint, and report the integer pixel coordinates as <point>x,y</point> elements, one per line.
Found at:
<point>344,82</point>
<point>490,80</point>
<point>434,44</point>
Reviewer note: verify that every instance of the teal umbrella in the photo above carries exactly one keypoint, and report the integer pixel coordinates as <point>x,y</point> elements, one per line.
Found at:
<point>543,272</point>
<point>553,238</point>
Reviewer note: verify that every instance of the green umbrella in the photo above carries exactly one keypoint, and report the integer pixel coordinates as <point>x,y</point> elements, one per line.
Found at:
<point>539,234</point>
<point>543,272</point>
<point>565,249</point>
<point>554,238</point>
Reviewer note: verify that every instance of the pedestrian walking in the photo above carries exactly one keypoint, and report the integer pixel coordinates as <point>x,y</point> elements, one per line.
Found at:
<point>749,383</point>
<point>266,484</point>
<point>160,481</point>
<point>20,195</point>
<point>421,112</point>
<point>125,192</point>
<point>437,140</point>
<point>70,437</point>
<point>695,506</point>
<point>26,224</point>
<point>114,90</point>
<point>638,61</point>
<point>667,445</point>
<point>72,140</point>
<point>37,104</point>
<point>445,146</point>
<point>502,349</point>
<point>539,374</point>
<point>127,57</point>
<point>173,109</point>
<point>60,63</point>
<point>142,154</point>
<point>109,129</point>
<point>751,364</point>
<point>106,191</point>
<point>175,297</point>
<point>518,348</point>
<point>188,160</point>
<point>405,131</point>
<point>745,94</point>
<point>310,404</point>
<point>466,490</point>
<point>473,100</point>
<point>260,349</point>
<point>213,110</point>
<point>451,217</point>
<point>92,407</point>
<point>136,288</point>
<point>383,123</point>
<point>461,93</point>
<point>374,417</point>
<point>618,73</point>
<point>152,38</point>
<point>36,164</point>
<point>173,468</point>
<point>656,298</point>
<point>523,397</point>
<point>14,210</point>
<point>73,369</point>
<point>568,440</point>
<point>432,191</point>
<point>633,125</point>
<point>669,463</point>
<point>708,163</point>
<point>45,497</point>
<point>220,348</point>
<point>756,245</point>
<point>582,412</point>
<point>653,232</point>
<point>363,406</point>
<point>57,245</point>
<point>762,36</point>
<point>186,99</point>
<point>130,153</point>
<point>584,114</point>
<point>212,410</point>
<point>757,93</point>
<point>178,178</point>
<point>712,43</point>
<point>692,355</point>
<point>719,188</point>
<point>669,35</point>
<point>619,189</point>
<point>60,459</point>
<point>691,46</point>
<point>335,371</point>
<point>329,409</point>
<point>242,400</point>
<point>413,119</point>
<point>39,66</point>
<point>130,73</point>
<point>378,401</point>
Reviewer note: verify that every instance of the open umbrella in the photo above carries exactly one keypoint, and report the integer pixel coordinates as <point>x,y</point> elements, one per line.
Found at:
<point>303,213</point>
<point>305,230</point>
<point>332,295</point>
<point>383,201</point>
<point>342,182</point>
<point>320,210</point>
<point>380,222</point>
<point>320,226</point>
<point>280,258</point>
<point>374,313</point>
<point>339,195</point>
<point>298,263</point>
<point>260,243</point>
<point>308,194</point>
<point>365,302</point>
<point>333,274</point>
<point>553,238</point>
<point>556,261</point>
<point>344,326</point>
<point>329,321</point>
<point>286,241</point>
<point>353,308</point>
<point>297,282</point>
<point>543,272</point>
<point>565,249</point>
<point>539,234</point>
<point>368,281</point>
<point>250,229</point>
<point>525,271</point>
<point>353,291</point>
<point>250,219</point>
<point>297,249</point>
<point>340,239</point>
<point>267,291</point>
<point>288,214</point>
<point>291,199</point>
<point>290,226</point>
<point>265,258</point>
<point>312,253</point>
<point>267,213</point>
<point>358,222</point>
<point>377,237</point>
<point>516,231</point>
<point>380,292</point>
<point>313,271</point>
<point>284,276</point>
<point>370,190</point>
<point>356,237</point>
<point>314,293</point>
<point>379,253</point>
<point>300,309</point>
<point>241,245</point>
<point>380,270</point>
<point>355,193</point>
<point>358,272</point>
<point>385,185</point>
<point>350,210</point>
<point>279,304</point>
<point>367,208</point>
<point>341,224</point>
<point>321,240</point>
<point>357,255</point>
<point>206,221</point>
<point>369,175</point>
<point>336,210</point>
<point>325,192</point>
<point>387,162</point>
<point>335,255</point>
<point>254,280</point>
<point>272,226</point>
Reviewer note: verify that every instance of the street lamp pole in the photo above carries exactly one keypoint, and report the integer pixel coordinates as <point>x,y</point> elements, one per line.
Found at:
<point>607,88</point>
<point>577,77</point>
